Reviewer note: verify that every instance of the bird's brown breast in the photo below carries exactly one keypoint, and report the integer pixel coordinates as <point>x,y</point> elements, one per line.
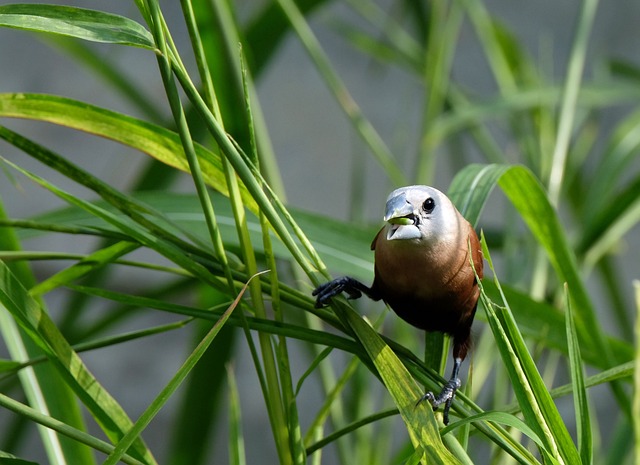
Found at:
<point>432,287</point>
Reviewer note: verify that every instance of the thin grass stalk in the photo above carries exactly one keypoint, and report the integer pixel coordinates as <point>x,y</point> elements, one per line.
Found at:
<point>268,379</point>
<point>444,26</point>
<point>248,177</point>
<point>364,128</point>
<point>636,379</point>
<point>236,438</point>
<point>258,133</point>
<point>183,129</point>
<point>286,382</point>
<point>282,406</point>
<point>53,426</point>
<point>568,107</point>
<point>580,399</point>
<point>150,412</point>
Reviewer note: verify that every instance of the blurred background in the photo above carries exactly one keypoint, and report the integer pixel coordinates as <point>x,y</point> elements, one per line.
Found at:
<point>321,161</point>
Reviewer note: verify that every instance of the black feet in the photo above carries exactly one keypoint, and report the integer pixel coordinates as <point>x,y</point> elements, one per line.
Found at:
<point>445,397</point>
<point>353,288</point>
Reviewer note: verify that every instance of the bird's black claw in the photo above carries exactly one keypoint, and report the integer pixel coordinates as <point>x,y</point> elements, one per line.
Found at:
<point>327,291</point>
<point>445,397</point>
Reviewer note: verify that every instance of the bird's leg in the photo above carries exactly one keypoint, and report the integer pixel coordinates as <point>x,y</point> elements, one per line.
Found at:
<point>352,287</point>
<point>447,394</point>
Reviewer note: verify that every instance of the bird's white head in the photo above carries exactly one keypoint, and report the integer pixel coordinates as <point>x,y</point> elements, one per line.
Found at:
<point>422,214</point>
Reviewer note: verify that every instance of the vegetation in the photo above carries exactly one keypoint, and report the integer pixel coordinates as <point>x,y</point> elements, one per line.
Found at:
<point>237,272</point>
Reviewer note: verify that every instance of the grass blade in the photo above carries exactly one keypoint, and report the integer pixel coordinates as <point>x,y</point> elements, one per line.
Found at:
<point>636,380</point>
<point>81,23</point>
<point>41,329</point>
<point>91,262</point>
<point>539,410</point>
<point>153,140</point>
<point>420,421</point>
<point>236,438</point>
<point>43,387</point>
<point>580,399</point>
<point>175,382</point>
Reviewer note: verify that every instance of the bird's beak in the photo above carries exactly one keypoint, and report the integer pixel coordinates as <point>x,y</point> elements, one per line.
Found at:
<point>402,221</point>
<point>398,210</point>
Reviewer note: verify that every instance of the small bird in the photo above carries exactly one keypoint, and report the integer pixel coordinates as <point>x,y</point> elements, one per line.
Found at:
<point>423,272</point>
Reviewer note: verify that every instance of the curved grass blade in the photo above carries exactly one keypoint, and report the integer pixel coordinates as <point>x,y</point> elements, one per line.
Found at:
<point>61,427</point>
<point>151,139</point>
<point>91,262</point>
<point>580,399</point>
<point>497,417</point>
<point>420,421</point>
<point>528,196</point>
<point>81,23</point>
<point>42,330</point>
<point>175,382</point>
<point>43,386</point>
<point>539,410</point>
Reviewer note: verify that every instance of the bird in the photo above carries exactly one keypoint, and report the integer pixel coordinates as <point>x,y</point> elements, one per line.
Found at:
<point>423,270</point>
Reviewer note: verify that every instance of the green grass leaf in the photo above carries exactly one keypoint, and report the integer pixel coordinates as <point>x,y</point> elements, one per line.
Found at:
<point>41,329</point>
<point>404,390</point>
<point>145,418</point>
<point>540,412</point>
<point>81,23</point>
<point>151,139</point>
<point>580,399</point>
<point>636,379</point>
<point>530,200</point>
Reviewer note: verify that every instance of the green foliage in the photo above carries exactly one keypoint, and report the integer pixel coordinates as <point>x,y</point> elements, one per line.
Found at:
<point>542,321</point>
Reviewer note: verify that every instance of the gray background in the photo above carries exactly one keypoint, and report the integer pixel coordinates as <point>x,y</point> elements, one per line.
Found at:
<point>311,137</point>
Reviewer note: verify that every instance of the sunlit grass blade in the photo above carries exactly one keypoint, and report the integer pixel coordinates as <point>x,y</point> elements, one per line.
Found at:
<point>580,399</point>
<point>258,324</point>
<point>153,140</point>
<point>81,23</point>
<point>420,421</point>
<point>539,410</point>
<point>42,330</point>
<point>86,265</point>
<point>43,386</point>
<point>527,195</point>
<point>125,442</point>
<point>62,428</point>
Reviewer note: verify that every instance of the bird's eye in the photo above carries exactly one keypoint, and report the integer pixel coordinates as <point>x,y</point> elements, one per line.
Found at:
<point>429,205</point>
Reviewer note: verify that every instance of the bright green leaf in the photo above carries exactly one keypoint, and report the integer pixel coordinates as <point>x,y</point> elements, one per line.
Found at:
<point>156,141</point>
<point>81,23</point>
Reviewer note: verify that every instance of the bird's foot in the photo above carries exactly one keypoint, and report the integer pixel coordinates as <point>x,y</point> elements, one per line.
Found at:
<point>445,397</point>
<point>327,291</point>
